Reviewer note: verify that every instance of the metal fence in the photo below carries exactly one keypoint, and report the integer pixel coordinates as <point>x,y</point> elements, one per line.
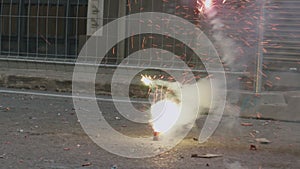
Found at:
<point>42,29</point>
<point>282,34</point>
<point>280,41</point>
<point>55,31</point>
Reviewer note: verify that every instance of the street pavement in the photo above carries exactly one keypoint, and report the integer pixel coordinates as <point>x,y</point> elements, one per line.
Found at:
<point>43,132</point>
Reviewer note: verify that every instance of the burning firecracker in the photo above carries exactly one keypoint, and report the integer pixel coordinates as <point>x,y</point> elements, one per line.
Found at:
<point>165,111</point>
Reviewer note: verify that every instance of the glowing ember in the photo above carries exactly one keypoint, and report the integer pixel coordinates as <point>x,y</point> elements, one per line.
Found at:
<point>164,113</point>
<point>205,5</point>
<point>208,4</point>
<point>147,80</point>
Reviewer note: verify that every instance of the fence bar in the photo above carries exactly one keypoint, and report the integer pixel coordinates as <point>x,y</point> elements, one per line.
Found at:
<point>20,24</point>
<point>67,27</point>
<point>260,55</point>
<point>1,9</point>
<point>121,30</point>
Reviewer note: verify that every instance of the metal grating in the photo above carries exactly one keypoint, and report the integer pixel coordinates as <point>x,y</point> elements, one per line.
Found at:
<point>55,30</point>
<point>282,35</point>
<point>42,29</point>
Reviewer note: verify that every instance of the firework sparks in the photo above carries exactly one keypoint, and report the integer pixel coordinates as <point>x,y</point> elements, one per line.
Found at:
<point>147,80</point>
<point>208,4</point>
<point>164,111</point>
<point>204,5</point>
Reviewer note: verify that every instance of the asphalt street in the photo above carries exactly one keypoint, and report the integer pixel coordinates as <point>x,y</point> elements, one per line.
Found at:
<point>43,132</point>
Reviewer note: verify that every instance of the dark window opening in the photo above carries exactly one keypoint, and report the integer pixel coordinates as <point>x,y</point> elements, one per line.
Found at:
<point>42,28</point>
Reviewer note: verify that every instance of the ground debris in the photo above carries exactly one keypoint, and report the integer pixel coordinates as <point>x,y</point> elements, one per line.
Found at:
<point>67,149</point>
<point>246,124</point>
<point>206,155</point>
<point>2,156</point>
<point>263,140</point>
<point>86,164</point>
<point>7,108</point>
<point>253,147</point>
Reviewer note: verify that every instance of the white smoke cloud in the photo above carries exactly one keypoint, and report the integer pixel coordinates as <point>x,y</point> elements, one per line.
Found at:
<point>228,48</point>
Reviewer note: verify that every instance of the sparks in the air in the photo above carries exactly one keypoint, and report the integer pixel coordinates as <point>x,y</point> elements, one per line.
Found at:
<point>147,80</point>
<point>164,111</point>
<point>204,5</point>
<point>208,4</point>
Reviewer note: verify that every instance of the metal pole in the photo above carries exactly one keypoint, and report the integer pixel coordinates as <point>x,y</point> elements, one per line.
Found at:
<point>121,31</point>
<point>1,9</point>
<point>67,28</point>
<point>21,26</point>
<point>260,55</point>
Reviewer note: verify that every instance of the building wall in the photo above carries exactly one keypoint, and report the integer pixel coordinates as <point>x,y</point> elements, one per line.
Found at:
<point>44,28</point>
<point>57,29</point>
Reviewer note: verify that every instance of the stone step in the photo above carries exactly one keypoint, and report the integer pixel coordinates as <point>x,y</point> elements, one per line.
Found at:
<point>268,105</point>
<point>293,104</point>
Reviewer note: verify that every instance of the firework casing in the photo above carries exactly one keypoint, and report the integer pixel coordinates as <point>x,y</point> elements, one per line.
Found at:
<point>156,136</point>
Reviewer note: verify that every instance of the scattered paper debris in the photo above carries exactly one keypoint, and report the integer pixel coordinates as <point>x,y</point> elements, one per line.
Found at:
<point>2,156</point>
<point>206,155</point>
<point>195,139</point>
<point>263,140</point>
<point>253,147</point>
<point>246,124</point>
<point>86,164</point>
<point>67,149</point>
<point>256,131</point>
<point>252,135</point>
<point>258,115</point>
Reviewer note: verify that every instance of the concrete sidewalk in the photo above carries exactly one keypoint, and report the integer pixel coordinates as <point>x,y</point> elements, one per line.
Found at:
<point>279,105</point>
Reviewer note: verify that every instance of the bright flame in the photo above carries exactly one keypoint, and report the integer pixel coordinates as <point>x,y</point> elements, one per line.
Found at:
<point>165,114</point>
<point>204,5</point>
<point>208,4</point>
<point>146,80</point>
